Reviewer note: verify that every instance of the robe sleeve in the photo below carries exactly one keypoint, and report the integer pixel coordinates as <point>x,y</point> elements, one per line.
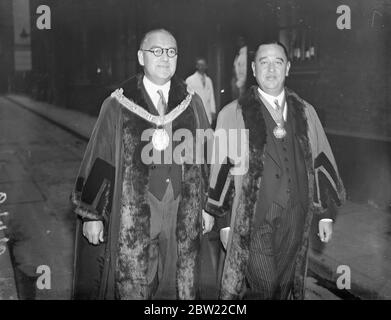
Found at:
<point>93,191</point>
<point>207,137</point>
<point>226,157</point>
<point>328,186</point>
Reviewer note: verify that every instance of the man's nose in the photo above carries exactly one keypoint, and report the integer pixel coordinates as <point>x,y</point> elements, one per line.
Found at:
<point>271,67</point>
<point>165,56</point>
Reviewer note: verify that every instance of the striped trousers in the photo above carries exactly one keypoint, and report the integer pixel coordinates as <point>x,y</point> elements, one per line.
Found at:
<point>273,250</point>
<point>163,247</point>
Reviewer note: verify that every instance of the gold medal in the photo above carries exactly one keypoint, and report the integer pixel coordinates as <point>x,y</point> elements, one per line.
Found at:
<point>279,132</point>
<point>160,139</point>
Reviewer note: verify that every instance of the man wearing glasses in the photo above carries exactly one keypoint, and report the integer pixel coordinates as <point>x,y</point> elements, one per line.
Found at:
<point>140,222</point>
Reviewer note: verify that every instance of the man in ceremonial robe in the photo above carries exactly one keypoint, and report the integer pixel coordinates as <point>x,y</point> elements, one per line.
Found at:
<point>291,179</point>
<point>140,222</point>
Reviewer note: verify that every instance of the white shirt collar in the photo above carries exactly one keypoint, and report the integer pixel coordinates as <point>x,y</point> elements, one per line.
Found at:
<point>153,88</point>
<point>270,99</point>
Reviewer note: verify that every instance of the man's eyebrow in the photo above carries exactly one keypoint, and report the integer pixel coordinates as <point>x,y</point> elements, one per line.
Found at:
<point>278,58</point>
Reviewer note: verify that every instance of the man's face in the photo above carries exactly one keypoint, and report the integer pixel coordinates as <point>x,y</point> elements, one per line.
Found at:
<point>158,69</point>
<point>201,66</point>
<point>270,68</point>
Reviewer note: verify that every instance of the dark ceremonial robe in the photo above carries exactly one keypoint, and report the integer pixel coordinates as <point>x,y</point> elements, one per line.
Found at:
<point>112,186</point>
<point>323,181</point>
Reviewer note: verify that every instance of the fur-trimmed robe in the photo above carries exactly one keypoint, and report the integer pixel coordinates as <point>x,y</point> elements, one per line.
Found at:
<point>117,195</point>
<point>324,182</point>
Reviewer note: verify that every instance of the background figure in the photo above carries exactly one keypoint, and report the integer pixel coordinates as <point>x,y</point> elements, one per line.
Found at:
<point>203,85</point>
<point>131,210</point>
<point>242,79</point>
<point>238,83</point>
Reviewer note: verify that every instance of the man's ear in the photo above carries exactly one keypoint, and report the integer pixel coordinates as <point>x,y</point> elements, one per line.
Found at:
<point>253,67</point>
<point>140,57</point>
<point>288,67</point>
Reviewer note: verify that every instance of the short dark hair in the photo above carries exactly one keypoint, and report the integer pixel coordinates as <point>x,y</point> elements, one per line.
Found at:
<point>277,43</point>
<point>147,34</point>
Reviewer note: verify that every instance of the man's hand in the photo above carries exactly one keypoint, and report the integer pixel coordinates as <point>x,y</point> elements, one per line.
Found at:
<point>93,231</point>
<point>325,230</point>
<point>207,222</point>
<point>224,234</point>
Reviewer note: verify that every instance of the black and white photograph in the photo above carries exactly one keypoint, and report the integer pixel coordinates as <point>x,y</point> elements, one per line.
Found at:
<point>206,150</point>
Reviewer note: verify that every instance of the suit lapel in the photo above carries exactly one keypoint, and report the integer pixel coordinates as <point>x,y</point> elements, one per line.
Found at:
<point>272,151</point>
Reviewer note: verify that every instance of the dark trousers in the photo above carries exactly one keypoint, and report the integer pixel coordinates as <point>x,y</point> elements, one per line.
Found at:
<point>273,250</point>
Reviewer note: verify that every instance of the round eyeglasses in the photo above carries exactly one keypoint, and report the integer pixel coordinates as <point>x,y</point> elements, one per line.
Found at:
<point>157,52</point>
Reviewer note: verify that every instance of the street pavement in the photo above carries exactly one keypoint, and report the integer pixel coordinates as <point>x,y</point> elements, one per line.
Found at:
<point>39,164</point>
<point>41,149</point>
